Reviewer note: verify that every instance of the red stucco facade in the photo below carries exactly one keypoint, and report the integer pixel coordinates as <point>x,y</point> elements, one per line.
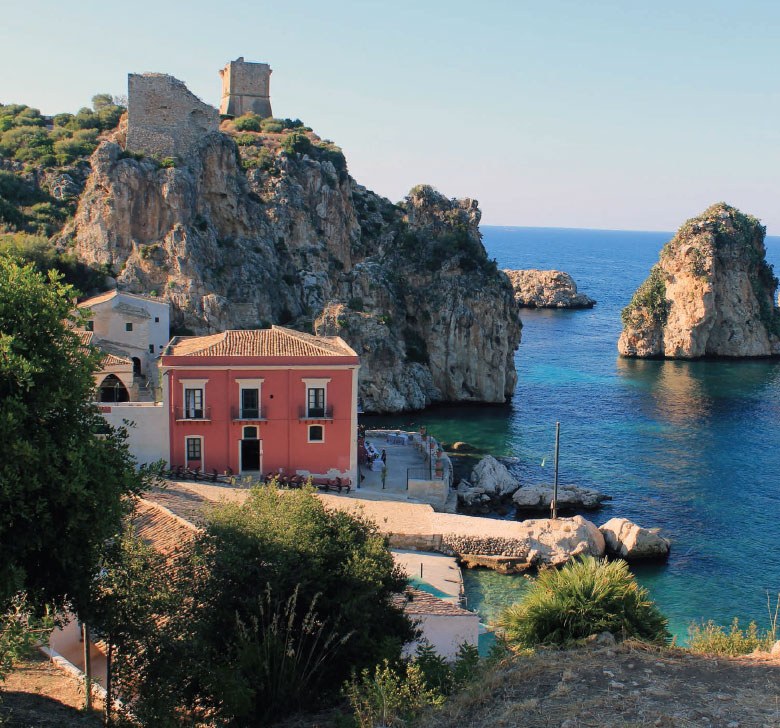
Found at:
<point>293,414</point>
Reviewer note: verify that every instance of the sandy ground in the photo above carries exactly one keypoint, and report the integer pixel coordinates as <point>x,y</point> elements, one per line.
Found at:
<point>627,686</point>
<point>39,694</point>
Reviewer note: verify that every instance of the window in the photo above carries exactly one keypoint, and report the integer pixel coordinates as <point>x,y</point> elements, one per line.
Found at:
<point>128,326</point>
<point>151,348</point>
<point>316,433</point>
<point>193,448</point>
<point>90,325</point>
<point>316,401</point>
<point>157,319</point>
<point>250,404</point>
<point>193,404</point>
<point>250,433</point>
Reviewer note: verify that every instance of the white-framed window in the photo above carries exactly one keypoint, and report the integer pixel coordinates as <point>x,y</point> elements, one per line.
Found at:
<point>194,399</point>
<point>316,397</point>
<point>249,399</point>
<point>316,433</point>
<point>128,326</point>
<point>193,451</point>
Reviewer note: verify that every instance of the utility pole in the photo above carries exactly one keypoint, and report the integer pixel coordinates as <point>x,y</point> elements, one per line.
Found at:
<point>554,504</point>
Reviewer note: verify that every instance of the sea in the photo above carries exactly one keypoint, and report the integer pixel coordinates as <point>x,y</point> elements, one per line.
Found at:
<point>690,447</point>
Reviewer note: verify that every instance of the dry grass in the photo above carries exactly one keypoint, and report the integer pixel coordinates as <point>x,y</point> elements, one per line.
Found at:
<point>627,686</point>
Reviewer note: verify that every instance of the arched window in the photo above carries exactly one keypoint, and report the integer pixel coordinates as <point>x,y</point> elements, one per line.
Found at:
<point>112,390</point>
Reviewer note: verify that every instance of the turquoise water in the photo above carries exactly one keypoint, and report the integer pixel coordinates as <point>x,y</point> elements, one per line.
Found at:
<point>692,447</point>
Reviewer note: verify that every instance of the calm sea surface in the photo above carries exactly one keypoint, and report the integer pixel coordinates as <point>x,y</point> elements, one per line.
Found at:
<point>692,447</point>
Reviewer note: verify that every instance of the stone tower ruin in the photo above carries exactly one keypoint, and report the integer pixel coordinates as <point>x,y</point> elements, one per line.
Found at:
<point>164,118</point>
<point>245,88</point>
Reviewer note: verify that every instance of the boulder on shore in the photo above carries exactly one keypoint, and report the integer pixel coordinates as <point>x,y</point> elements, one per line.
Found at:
<point>492,478</point>
<point>570,497</point>
<point>547,289</point>
<point>712,293</point>
<point>629,541</point>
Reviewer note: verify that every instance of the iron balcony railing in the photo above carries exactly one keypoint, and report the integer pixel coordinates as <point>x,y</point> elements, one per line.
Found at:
<point>315,413</point>
<point>249,413</point>
<point>193,413</point>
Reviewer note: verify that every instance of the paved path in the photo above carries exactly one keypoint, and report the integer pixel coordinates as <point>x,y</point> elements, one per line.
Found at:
<point>441,572</point>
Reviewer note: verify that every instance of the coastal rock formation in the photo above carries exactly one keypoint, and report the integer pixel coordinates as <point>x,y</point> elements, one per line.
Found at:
<point>492,478</point>
<point>629,541</point>
<point>570,497</point>
<point>535,543</point>
<point>547,289</point>
<point>711,294</point>
<point>274,230</point>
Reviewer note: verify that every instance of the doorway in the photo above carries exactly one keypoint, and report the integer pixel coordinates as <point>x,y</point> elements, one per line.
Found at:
<point>251,451</point>
<point>136,365</point>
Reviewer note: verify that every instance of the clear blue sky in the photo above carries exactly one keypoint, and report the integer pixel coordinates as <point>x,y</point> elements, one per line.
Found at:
<point>619,114</point>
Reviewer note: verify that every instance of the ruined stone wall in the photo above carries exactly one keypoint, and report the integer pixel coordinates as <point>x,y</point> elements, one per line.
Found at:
<point>164,118</point>
<point>246,87</point>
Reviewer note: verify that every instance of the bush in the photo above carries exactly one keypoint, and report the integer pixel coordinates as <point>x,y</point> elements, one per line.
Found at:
<point>711,638</point>
<point>585,597</point>
<point>248,122</point>
<point>649,298</point>
<point>296,143</point>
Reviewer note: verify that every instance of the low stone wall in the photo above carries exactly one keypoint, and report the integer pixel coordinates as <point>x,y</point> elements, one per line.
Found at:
<point>418,542</point>
<point>485,545</point>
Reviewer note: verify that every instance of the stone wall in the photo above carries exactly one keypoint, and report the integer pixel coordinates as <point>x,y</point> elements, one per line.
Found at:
<point>164,118</point>
<point>245,87</point>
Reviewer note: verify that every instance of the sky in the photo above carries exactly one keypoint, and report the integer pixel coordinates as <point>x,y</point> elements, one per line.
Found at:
<point>600,114</point>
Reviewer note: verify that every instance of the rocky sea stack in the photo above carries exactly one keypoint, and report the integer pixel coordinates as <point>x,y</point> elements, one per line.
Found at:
<point>711,294</point>
<point>547,289</point>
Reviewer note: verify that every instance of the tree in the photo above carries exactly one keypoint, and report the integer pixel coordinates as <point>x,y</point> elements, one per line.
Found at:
<point>62,488</point>
<point>274,604</point>
<point>101,100</point>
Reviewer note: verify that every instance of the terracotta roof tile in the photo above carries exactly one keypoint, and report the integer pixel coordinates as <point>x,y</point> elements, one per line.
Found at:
<point>276,341</point>
<point>111,360</point>
<point>108,295</point>
<point>160,528</point>
<point>415,601</point>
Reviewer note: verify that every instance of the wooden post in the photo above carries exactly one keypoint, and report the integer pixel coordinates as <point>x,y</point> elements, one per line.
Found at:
<point>109,698</point>
<point>554,504</point>
<point>87,668</point>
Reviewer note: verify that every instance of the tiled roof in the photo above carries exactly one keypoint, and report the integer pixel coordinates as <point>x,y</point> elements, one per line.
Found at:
<point>415,601</point>
<point>160,528</point>
<point>276,341</point>
<point>85,336</point>
<point>109,360</point>
<point>108,295</point>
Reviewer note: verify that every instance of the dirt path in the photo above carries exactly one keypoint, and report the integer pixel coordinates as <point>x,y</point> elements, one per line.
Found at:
<point>621,687</point>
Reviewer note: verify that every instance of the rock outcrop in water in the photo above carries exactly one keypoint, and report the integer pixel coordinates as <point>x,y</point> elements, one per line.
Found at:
<point>547,289</point>
<point>631,542</point>
<point>710,295</point>
<point>274,230</point>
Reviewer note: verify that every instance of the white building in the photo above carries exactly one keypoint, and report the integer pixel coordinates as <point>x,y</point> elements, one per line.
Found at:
<point>130,326</point>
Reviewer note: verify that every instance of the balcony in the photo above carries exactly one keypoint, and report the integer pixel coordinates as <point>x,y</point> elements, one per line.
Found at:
<point>249,414</point>
<point>315,414</point>
<point>193,414</point>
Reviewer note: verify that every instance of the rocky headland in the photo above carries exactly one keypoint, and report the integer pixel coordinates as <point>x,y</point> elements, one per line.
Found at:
<point>547,289</point>
<point>711,294</point>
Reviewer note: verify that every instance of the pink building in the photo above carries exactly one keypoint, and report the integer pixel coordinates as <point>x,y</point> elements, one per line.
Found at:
<point>263,400</point>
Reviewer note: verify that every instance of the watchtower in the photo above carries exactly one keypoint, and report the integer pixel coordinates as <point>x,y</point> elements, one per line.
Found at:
<point>245,88</point>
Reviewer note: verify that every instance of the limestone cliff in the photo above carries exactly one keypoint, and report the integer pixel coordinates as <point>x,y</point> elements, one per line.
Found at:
<point>547,289</point>
<point>711,294</point>
<point>274,230</point>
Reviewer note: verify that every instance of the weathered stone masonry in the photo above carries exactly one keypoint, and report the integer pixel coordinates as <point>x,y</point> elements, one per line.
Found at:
<point>164,118</point>
<point>245,88</point>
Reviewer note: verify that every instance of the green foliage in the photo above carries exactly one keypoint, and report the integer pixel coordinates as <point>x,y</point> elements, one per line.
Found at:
<point>585,597</point>
<point>272,126</point>
<point>388,696</point>
<point>711,638</point>
<point>248,122</point>
<point>296,143</point>
<point>61,488</point>
<point>20,630</point>
<point>101,101</point>
<point>266,613</point>
<point>39,251</point>
<point>648,300</point>
<point>356,304</point>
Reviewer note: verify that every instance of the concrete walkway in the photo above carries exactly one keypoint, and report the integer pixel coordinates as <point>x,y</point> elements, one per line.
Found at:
<point>441,572</point>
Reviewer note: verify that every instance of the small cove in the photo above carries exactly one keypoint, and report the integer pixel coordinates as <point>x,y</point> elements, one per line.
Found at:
<point>691,447</point>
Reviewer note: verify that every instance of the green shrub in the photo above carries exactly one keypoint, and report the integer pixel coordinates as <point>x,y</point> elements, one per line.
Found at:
<point>650,298</point>
<point>585,597</point>
<point>296,143</point>
<point>248,122</point>
<point>272,126</point>
<point>711,638</point>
